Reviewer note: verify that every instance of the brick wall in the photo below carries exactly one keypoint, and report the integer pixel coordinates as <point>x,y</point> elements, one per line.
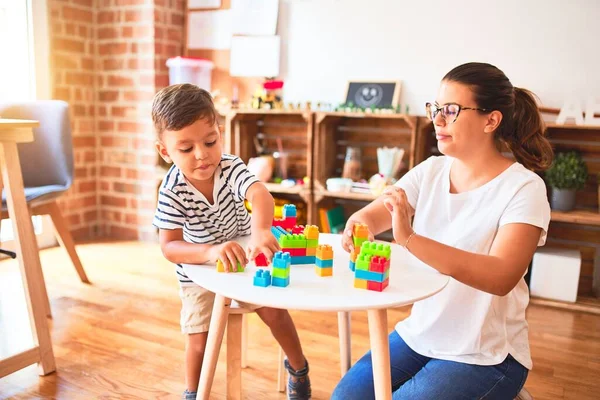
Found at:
<point>126,47</point>
<point>72,60</point>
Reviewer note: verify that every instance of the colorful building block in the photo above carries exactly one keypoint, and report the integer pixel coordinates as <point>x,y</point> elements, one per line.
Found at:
<point>286,223</point>
<point>261,260</point>
<point>363,262</point>
<point>289,210</point>
<point>361,231</point>
<point>324,252</point>
<point>278,232</point>
<point>379,264</point>
<point>293,241</point>
<point>221,267</point>
<point>281,272</point>
<point>371,276</point>
<point>298,229</point>
<point>280,282</point>
<point>322,272</point>
<point>378,286</point>
<point>311,251</point>
<point>323,263</point>
<point>303,260</point>
<point>311,232</point>
<point>360,283</point>
<point>352,266</point>
<point>262,278</point>
<point>312,243</point>
<point>281,260</point>
<point>376,249</point>
<point>298,252</point>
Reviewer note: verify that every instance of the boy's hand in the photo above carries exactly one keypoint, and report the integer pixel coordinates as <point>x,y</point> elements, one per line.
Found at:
<point>347,238</point>
<point>264,242</point>
<point>230,253</point>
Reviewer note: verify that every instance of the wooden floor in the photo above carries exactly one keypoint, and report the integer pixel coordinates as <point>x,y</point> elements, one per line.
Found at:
<point>119,337</point>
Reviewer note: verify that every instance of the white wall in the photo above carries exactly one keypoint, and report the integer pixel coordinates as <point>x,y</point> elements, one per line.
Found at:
<point>549,46</point>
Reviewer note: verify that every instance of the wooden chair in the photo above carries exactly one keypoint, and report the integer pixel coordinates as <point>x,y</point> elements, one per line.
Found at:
<point>237,345</point>
<point>47,165</point>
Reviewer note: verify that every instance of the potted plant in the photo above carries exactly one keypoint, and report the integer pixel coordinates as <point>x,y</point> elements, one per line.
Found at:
<point>567,174</point>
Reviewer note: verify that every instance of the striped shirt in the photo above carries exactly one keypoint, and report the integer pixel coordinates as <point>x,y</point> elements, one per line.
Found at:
<point>182,206</point>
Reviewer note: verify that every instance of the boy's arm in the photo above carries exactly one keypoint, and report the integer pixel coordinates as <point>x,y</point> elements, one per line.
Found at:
<point>263,207</point>
<point>178,251</point>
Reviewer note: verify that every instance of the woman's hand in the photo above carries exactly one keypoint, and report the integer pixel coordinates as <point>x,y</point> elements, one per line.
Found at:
<point>401,211</point>
<point>347,239</point>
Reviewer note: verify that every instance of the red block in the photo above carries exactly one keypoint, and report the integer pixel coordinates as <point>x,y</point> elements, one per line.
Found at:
<point>261,260</point>
<point>295,252</point>
<point>298,229</point>
<point>378,286</point>
<point>287,223</point>
<point>379,264</point>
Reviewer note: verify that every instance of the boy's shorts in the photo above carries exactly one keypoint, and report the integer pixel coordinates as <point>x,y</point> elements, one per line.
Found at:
<point>196,308</point>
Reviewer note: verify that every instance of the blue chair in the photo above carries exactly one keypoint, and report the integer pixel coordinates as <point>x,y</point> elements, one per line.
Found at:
<point>47,165</point>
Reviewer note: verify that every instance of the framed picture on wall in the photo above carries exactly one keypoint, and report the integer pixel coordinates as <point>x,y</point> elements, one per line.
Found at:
<point>378,94</point>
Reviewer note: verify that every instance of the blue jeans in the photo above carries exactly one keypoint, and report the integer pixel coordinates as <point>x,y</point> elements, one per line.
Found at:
<point>418,377</point>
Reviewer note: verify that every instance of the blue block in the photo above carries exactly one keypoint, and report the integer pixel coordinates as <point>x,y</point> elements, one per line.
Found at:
<point>278,231</point>
<point>262,278</point>
<point>280,282</point>
<point>281,260</point>
<point>303,260</point>
<point>289,210</point>
<point>323,263</point>
<point>352,266</point>
<point>371,276</point>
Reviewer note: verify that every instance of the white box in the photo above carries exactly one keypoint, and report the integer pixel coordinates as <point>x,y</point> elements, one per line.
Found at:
<point>555,274</point>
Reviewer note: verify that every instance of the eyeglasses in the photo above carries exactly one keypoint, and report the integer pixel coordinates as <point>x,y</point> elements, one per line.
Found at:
<point>449,111</point>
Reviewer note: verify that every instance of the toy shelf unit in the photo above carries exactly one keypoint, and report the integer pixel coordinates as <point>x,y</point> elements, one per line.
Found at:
<point>335,132</point>
<point>285,138</point>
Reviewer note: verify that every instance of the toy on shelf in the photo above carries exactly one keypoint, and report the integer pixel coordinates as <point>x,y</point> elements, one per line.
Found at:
<point>372,267</point>
<point>262,278</point>
<point>281,269</point>
<point>324,260</point>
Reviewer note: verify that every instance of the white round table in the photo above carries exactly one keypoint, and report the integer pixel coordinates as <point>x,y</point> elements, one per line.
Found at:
<point>410,281</point>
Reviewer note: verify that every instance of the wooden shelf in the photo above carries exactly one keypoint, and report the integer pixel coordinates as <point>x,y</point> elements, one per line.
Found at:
<point>553,125</point>
<point>583,304</point>
<point>581,217</point>
<point>363,115</point>
<point>278,188</point>
<point>348,195</point>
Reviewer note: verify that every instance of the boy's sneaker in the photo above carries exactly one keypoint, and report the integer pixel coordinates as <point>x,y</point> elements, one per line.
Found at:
<point>298,382</point>
<point>187,395</point>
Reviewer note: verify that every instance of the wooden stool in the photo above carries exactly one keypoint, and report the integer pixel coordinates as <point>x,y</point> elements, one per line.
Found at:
<point>237,345</point>
<point>524,395</point>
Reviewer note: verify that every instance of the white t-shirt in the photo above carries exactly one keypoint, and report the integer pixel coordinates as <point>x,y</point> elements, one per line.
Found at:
<point>461,323</point>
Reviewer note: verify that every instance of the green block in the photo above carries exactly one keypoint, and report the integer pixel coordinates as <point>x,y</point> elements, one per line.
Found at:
<point>293,241</point>
<point>240,268</point>
<point>358,241</point>
<point>376,249</point>
<point>363,262</point>
<point>281,272</point>
<point>310,243</point>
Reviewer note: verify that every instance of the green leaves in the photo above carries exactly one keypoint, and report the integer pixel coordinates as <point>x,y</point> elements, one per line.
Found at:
<point>568,171</point>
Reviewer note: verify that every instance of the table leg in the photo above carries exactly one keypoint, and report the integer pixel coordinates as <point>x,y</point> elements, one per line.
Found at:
<point>216,331</point>
<point>380,353</point>
<point>28,255</point>
<point>344,333</point>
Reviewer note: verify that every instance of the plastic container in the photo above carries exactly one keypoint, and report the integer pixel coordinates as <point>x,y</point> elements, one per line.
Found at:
<point>339,184</point>
<point>190,70</point>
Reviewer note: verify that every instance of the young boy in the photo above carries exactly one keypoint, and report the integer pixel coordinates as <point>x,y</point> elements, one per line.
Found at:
<point>200,210</point>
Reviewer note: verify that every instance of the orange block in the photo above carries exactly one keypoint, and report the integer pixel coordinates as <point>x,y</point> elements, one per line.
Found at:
<point>311,232</point>
<point>311,251</point>
<point>354,254</point>
<point>360,283</point>
<point>361,231</point>
<point>324,252</point>
<point>322,272</point>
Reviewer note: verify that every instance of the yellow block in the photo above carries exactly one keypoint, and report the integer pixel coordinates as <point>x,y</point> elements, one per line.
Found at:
<point>327,272</point>
<point>220,266</point>
<point>360,283</point>
<point>311,232</point>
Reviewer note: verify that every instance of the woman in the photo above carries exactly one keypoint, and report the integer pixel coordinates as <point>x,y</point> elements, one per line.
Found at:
<point>478,217</point>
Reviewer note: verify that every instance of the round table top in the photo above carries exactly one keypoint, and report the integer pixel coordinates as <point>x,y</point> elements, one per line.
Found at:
<point>410,281</point>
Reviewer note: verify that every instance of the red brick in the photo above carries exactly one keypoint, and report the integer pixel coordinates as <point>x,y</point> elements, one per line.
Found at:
<point>78,110</point>
<point>118,111</point>
<point>175,35</point>
<point>113,201</point>
<point>120,232</point>
<point>56,28</point>
<point>74,219</point>
<point>131,127</point>
<point>78,14</point>
<point>177,19</point>
<point>107,33</point>
<point>105,17</point>
<point>84,3</point>
<point>64,62</point>
<point>83,141</point>
<point>71,28</point>
<point>159,33</point>
<point>108,95</point>
<point>127,32</point>
<point>106,126</point>
<point>138,15</point>
<point>112,141</point>
<point>106,171</point>
<point>89,201</point>
<point>130,2</point>
<point>90,216</point>
<point>131,219</point>
<point>76,78</point>
<point>161,81</point>
<point>131,173</point>
<point>83,30</point>
<point>68,45</point>
<point>115,80</point>
<point>129,188</point>
<point>85,187</point>
<point>112,64</point>
<point>89,156</point>
<point>113,49</point>
<point>84,127</point>
<point>139,96</point>
<point>80,172</point>
<point>62,93</point>
<point>87,63</point>
<point>102,111</point>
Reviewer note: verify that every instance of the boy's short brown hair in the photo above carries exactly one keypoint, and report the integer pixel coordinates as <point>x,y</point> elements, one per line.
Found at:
<point>178,106</point>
